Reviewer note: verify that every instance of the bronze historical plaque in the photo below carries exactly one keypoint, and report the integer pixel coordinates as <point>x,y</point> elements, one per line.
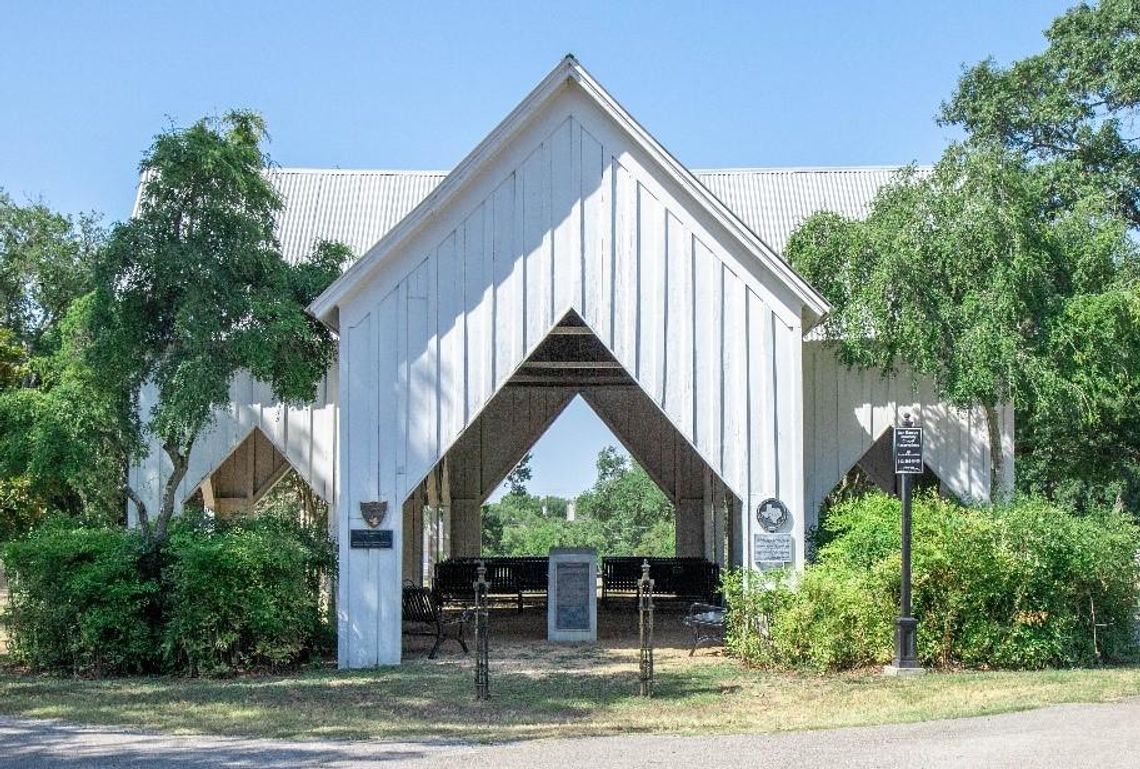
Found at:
<point>573,596</point>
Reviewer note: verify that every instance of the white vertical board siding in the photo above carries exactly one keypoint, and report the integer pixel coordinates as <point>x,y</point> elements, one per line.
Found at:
<point>847,410</point>
<point>788,378</point>
<point>360,574</point>
<point>679,313</point>
<point>566,218</point>
<point>651,279</point>
<point>574,218</point>
<point>538,265</point>
<point>507,311</point>
<point>623,304</point>
<point>708,301</point>
<point>734,384</point>
<point>305,436</point>
<point>425,391</point>
<point>597,227</point>
<point>478,281</point>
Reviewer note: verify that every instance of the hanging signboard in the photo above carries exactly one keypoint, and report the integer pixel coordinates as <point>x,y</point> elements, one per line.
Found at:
<point>908,450</point>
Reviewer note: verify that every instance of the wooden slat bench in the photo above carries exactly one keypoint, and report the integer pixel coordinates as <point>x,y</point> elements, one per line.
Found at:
<point>425,615</point>
<point>680,578</point>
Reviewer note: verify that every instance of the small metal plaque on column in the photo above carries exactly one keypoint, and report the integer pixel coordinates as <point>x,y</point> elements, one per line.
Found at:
<point>772,549</point>
<point>371,539</point>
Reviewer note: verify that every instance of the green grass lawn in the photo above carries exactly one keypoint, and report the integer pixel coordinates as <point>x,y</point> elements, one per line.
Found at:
<point>435,700</point>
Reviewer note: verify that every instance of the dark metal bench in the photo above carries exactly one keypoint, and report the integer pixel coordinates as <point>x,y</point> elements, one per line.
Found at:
<point>681,578</point>
<point>513,576</point>
<point>423,612</point>
<point>707,622</point>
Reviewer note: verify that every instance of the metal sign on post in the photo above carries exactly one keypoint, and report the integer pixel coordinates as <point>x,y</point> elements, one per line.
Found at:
<point>908,463</point>
<point>908,449</point>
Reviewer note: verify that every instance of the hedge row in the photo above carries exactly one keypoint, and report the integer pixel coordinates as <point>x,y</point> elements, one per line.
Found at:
<point>1028,585</point>
<point>215,599</point>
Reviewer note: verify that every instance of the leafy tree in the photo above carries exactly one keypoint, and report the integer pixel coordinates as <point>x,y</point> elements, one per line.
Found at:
<point>520,476</point>
<point>60,437</point>
<point>67,439</point>
<point>1068,115</point>
<point>46,262</point>
<point>194,289</point>
<point>623,513</point>
<point>634,515</point>
<point>971,276</point>
<point>1071,107</point>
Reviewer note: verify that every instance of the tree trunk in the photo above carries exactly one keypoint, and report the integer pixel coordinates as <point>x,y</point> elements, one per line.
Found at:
<point>180,461</point>
<point>998,491</point>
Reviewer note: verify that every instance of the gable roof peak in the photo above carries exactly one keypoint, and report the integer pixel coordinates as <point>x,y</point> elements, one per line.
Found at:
<point>326,306</point>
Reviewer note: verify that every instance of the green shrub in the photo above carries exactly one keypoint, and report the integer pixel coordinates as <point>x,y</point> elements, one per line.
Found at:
<point>1018,586</point>
<point>79,600</point>
<point>214,599</point>
<point>243,595</point>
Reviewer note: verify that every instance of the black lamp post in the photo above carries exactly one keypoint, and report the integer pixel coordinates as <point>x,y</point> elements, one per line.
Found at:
<point>908,463</point>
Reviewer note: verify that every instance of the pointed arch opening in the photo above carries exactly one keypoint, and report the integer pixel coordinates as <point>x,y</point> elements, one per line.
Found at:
<point>444,515</point>
<point>874,471</point>
<point>256,477</point>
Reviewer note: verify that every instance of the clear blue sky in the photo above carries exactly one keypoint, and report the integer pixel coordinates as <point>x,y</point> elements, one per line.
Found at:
<point>85,85</point>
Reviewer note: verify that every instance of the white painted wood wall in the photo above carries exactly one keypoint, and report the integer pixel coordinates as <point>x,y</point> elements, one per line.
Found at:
<point>575,214</point>
<point>306,435</point>
<point>847,410</point>
<point>571,216</point>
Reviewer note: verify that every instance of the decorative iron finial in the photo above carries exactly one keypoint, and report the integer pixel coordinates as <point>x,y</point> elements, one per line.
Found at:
<point>645,630</point>
<point>482,646</point>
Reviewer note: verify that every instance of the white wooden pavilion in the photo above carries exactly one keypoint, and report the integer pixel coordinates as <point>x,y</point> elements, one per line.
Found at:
<point>569,254</point>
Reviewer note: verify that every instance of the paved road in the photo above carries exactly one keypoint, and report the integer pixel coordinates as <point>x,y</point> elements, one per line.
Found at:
<point>1072,736</point>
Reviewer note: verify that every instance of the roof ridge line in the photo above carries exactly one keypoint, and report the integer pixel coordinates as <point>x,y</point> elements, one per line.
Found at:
<point>726,170</point>
<point>806,169</point>
<point>347,171</point>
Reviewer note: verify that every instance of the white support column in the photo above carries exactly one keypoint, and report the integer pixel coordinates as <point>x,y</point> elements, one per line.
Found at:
<point>736,528</point>
<point>690,524</point>
<point>466,527</point>
<point>411,515</point>
<point>720,520</point>
<point>709,538</point>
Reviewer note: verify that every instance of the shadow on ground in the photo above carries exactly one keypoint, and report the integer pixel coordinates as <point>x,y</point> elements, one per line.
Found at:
<point>539,689</point>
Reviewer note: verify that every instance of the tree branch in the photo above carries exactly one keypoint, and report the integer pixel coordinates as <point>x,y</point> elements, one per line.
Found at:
<point>140,509</point>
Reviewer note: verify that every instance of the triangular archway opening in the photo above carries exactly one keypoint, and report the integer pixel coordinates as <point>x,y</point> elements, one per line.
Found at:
<point>244,477</point>
<point>570,362</point>
<point>874,471</point>
<point>255,477</point>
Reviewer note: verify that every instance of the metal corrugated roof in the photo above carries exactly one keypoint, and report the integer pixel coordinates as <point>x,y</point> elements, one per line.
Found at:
<point>353,207</point>
<point>358,207</point>
<point>774,201</point>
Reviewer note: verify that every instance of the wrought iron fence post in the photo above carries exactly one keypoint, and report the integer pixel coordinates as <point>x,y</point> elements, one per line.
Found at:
<point>645,634</point>
<point>482,674</point>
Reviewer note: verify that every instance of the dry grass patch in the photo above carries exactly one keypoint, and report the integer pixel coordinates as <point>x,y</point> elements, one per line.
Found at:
<point>546,690</point>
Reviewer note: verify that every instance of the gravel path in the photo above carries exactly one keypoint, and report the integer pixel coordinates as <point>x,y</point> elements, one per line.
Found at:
<point>1105,736</point>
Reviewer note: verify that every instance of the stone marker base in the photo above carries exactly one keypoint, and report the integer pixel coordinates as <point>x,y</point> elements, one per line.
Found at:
<point>891,670</point>
<point>572,597</point>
